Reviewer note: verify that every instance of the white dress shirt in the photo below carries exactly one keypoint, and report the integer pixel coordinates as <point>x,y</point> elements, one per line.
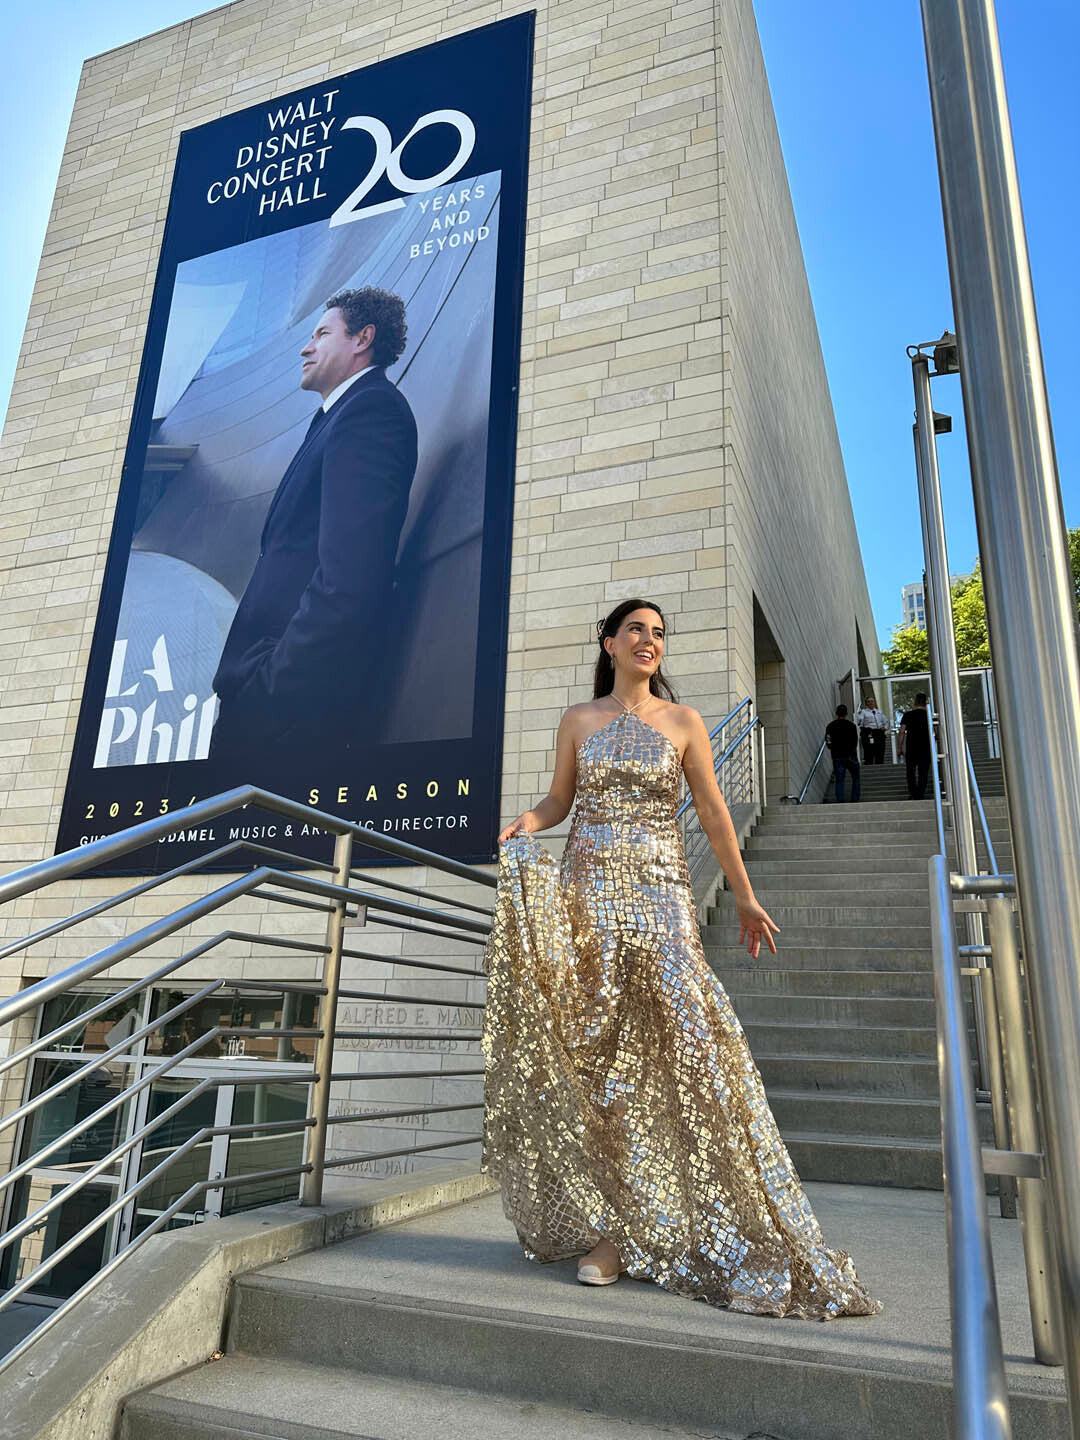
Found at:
<point>339,390</point>
<point>870,718</point>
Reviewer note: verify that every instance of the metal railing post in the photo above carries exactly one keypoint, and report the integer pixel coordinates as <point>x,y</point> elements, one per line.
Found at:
<point>312,1189</point>
<point>758,739</point>
<point>1044,1292</point>
<point>1026,574</point>
<point>980,1396</point>
<point>939,605</point>
<point>995,1072</point>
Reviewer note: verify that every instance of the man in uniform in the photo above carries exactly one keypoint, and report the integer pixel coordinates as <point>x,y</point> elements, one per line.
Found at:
<point>872,727</point>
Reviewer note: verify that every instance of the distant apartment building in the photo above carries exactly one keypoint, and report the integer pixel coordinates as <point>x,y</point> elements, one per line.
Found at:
<point>913,600</point>
<point>913,605</point>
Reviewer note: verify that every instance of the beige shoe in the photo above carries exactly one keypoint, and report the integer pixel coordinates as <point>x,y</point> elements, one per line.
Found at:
<point>593,1275</point>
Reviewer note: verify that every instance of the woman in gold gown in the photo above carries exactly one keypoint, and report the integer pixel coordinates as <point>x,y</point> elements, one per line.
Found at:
<point>625,1117</point>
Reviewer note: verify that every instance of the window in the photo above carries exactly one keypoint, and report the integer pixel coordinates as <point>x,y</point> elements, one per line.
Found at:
<point>83,1087</point>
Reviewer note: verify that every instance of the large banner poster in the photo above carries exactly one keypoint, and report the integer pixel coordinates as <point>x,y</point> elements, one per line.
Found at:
<point>307,583</point>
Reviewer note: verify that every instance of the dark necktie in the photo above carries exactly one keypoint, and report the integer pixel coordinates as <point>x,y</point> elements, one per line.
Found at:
<point>316,421</point>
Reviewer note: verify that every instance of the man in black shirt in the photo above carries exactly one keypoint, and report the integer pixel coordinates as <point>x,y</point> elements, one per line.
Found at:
<point>842,738</point>
<point>913,744</point>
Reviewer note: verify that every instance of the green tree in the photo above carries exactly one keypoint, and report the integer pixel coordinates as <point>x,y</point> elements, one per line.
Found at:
<point>909,653</point>
<point>969,621</point>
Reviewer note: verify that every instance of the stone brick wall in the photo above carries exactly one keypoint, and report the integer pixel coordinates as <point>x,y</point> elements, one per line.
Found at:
<point>675,439</point>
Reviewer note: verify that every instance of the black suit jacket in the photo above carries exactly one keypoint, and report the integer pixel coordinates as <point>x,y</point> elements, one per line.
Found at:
<point>302,654</point>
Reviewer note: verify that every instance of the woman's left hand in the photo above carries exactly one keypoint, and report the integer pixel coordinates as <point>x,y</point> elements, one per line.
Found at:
<point>755,926</point>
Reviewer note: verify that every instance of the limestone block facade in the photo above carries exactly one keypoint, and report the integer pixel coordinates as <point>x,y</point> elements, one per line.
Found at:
<point>676,437</point>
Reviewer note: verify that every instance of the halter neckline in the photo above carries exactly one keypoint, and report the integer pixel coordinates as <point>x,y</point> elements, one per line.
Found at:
<point>629,709</point>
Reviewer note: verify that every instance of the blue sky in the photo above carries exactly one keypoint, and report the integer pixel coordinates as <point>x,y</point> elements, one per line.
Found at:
<point>849,87</point>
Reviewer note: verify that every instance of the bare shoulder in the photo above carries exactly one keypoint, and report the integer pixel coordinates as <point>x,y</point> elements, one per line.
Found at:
<point>578,720</point>
<point>685,719</point>
<point>680,723</point>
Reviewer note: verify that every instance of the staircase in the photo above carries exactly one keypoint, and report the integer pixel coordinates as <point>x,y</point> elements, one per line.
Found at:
<point>997,818</point>
<point>988,771</point>
<point>841,1020</point>
<point>438,1326</point>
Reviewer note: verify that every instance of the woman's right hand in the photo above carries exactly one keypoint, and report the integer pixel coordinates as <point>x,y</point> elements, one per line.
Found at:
<point>523,825</point>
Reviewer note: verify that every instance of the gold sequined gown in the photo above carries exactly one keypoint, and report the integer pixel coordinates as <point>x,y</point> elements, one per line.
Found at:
<point>621,1096</point>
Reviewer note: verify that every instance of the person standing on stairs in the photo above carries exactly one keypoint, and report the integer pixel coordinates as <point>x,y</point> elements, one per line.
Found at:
<point>913,745</point>
<point>625,1118</point>
<point>842,738</point>
<point>872,726</point>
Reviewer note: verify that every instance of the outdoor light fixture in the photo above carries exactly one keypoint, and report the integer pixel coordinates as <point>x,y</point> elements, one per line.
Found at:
<point>942,423</point>
<point>946,357</point>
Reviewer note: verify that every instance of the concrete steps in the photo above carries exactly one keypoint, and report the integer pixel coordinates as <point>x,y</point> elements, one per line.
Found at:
<point>843,1011</point>
<point>909,1164</point>
<point>835,1037</point>
<point>726,956</point>
<point>856,1076</point>
<point>842,853</point>
<point>841,1021</point>
<point>847,823</point>
<point>829,1115</point>
<point>882,892</point>
<point>811,931</point>
<point>757,979</point>
<point>243,1396</point>
<point>873,869</point>
<point>438,1326</point>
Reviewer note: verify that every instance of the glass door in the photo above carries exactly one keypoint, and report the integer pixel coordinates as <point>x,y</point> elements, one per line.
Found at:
<point>225,1058</point>
<point>96,1086</point>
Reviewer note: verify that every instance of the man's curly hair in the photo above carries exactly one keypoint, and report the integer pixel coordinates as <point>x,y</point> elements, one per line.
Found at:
<point>380,308</point>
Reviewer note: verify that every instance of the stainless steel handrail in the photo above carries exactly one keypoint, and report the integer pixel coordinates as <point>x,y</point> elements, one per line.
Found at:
<point>736,766</point>
<point>339,897</point>
<point>1015,1079</point>
<point>980,811</point>
<point>53,985</point>
<point>935,778</point>
<point>111,847</point>
<point>798,799</point>
<point>721,762</point>
<point>981,1395</point>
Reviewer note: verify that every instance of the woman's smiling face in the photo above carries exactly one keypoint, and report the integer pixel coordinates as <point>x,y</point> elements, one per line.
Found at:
<point>638,646</point>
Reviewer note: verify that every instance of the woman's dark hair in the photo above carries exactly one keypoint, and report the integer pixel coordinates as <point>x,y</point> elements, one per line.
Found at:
<point>608,628</point>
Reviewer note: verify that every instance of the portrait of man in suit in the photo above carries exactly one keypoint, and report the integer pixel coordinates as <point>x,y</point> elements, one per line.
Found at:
<point>303,664</point>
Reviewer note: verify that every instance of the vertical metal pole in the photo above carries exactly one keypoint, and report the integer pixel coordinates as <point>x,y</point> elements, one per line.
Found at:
<point>312,1190</point>
<point>980,1396</point>
<point>288,1022</point>
<point>928,600</point>
<point>939,605</point>
<point>947,673</point>
<point>1026,575</point>
<point>992,694</point>
<point>1044,1292</point>
<point>995,1069</point>
<point>763,794</point>
<point>214,1200</point>
<point>987,712</point>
